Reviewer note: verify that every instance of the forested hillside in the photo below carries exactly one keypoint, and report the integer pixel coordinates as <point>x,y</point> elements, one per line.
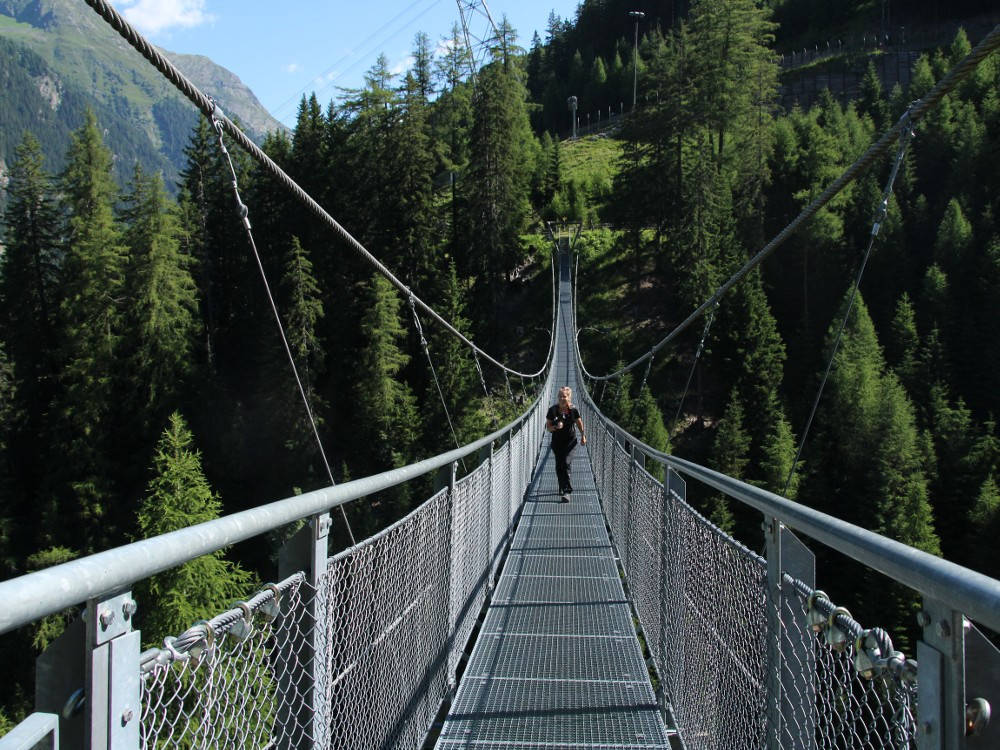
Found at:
<point>144,385</point>
<point>57,58</point>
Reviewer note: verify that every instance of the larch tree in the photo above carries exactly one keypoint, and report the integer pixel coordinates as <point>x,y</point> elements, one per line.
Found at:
<point>866,460</point>
<point>730,451</point>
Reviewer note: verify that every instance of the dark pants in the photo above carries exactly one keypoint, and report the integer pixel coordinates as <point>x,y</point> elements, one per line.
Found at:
<point>563,452</point>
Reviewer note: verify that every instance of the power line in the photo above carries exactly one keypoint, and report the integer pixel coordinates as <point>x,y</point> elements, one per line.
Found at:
<point>358,52</point>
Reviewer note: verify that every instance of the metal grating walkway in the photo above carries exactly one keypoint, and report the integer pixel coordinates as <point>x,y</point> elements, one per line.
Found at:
<point>557,663</point>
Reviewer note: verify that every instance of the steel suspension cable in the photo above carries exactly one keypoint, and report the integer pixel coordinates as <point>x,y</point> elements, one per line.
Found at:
<point>486,391</point>
<point>245,221</point>
<point>209,108</point>
<point>880,214</point>
<point>914,114</point>
<point>638,395</point>
<point>430,362</point>
<point>694,365</point>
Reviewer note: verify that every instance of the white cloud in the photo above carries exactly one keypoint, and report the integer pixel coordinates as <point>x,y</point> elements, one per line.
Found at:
<point>158,16</point>
<point>293,68</point>
<point>402,66</point>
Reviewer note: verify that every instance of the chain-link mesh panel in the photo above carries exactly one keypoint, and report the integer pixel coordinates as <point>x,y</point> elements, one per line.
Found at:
<point>470,562</point>
<point>500,506</point>
<point>395,613</point>
<point>645,554</point>
<point>387,628</point>
<point>227,685</point>
<point>737,673</point>
<point>715,633</point>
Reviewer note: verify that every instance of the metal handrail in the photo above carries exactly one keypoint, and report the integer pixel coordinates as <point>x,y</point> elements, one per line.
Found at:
<point>45,592</point>
<point>975,595</point>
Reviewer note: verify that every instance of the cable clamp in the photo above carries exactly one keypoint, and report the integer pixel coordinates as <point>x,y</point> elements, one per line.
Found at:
<point>242,628</point>
<point>873,654</point>
<point>834,637</point>
<point>272,607</point>
<point>818,622</point>
<point>205,643</point>
<point>170,648</point>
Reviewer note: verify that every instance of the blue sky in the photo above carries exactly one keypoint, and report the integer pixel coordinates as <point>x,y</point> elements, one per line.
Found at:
<point>283,50</point>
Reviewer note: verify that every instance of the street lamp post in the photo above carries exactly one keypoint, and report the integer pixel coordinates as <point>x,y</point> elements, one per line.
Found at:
<point>638,15</point>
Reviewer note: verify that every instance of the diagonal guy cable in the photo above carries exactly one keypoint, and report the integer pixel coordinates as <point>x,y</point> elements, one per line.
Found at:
<point>913,115</point>
<point>209,109</point>
<point>245,221</point>
<point>880,214</point>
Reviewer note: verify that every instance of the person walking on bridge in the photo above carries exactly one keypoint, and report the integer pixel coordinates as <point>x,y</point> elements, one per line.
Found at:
<point>563,420</point>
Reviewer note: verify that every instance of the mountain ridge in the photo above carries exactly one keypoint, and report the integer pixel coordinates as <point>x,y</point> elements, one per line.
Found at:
<point>57,58</point>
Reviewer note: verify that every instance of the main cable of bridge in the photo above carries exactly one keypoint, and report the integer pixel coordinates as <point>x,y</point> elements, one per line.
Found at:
<point>908,121</point>
<point>210,109</point>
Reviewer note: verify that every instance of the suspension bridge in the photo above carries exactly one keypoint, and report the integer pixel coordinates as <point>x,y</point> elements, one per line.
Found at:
<point>495,616</point>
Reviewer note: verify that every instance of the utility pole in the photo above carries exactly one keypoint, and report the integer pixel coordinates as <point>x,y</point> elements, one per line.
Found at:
<point>638,15</point>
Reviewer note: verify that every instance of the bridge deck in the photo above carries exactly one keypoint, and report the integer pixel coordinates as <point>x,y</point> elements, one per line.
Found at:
<point>557,663</point>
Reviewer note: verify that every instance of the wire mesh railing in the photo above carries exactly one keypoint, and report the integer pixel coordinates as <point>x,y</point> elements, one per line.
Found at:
<point>223,683</point>
<point>356,650</point>
<point>377,652</point>
<point>749,655</point>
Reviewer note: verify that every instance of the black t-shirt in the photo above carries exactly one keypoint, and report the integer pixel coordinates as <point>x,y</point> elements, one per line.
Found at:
<point>568,418</point>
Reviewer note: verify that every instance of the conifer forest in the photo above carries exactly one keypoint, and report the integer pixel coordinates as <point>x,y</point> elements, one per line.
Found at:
<point>144,384</point>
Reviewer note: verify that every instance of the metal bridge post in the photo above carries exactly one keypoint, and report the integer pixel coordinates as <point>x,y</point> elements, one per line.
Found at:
<point>672,577</point>
<point>96,696</point>
<point>941,683</point>
<point>447,477</point>
<point>792,661</point>
<point>307,551</point>
<point>486,457</point>
<point>637,463</point>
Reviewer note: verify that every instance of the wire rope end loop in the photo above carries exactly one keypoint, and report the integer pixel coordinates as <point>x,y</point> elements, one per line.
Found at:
<point>217,114</point>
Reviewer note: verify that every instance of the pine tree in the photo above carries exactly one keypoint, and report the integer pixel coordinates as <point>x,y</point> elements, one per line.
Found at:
<point>496,189</point>
<point>179,496</point>
<point>303,311</point>
<point>93,287</point>
<point>162,299</point>
<point>28,319</point>
<point>386,408</point>
<point>730,450</point>
<point>28,270</point>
